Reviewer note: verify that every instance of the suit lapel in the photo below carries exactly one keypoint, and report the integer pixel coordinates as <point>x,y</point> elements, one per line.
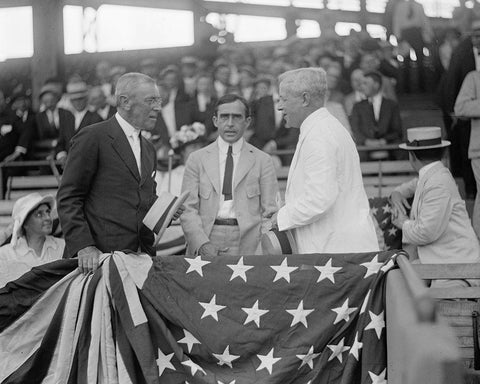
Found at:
<point>245,162</point>
<point>121,145</point>
<point>212,166</point>
<point>147,163</point>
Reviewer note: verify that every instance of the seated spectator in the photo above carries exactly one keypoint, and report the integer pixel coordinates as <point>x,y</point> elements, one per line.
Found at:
<point>246,82</point>
<point>97,102</point>
<point>203,102</point>
<point>11,129</point>
<point>188,69</point>
<point>334,74</point>
<point>149,67</point>
<point>375,121</point>
<point>221,79</point>
<point>356,81</point>
<point>78,95</point>
<point>31,243</point>
<point>370,62</point>
<point>438,226</point>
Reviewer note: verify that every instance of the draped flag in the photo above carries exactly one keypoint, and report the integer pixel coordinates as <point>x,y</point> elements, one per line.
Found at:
<point>317,318</point>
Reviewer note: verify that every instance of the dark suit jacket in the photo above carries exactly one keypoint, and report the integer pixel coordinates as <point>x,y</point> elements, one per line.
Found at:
<point>206,116</point>
<point>9,134</point>
<point>263,121</point>
<point>364,125</point>
<point>66,132</point>
<point>102,199</point>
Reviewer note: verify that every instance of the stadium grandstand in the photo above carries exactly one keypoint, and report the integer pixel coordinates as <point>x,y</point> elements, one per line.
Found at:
<point>390,65</point>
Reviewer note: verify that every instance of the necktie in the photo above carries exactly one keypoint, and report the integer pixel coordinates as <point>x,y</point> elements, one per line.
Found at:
<point>227,179</point>
<point>137,150</point>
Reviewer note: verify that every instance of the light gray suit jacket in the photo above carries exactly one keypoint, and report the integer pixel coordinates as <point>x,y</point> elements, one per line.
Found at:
<point>439,224</point>
<point>254,193</point>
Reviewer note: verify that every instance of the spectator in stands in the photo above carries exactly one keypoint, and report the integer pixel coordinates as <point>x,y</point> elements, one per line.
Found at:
<point>203,103</point>
<point>375,121</point>
<point>109,180</point>
<point>78,95</point>
<point>246,82</point>
<point>357,95</point>
<point>221,79</point>
<point>225,214</point>
<point>438,225</point>
<point>103,74</point>
<point>98,103</point>
<point>23,121</point>
<point>334,74</point>
<point>31,243</point>
<point>467,105</point>
<point>325,202</point>
<point>188,69</point>
<point>411,25</point>
<point>149,67</point>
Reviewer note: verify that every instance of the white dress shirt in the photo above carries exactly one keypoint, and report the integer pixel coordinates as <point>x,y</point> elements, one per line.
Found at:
<point>202,101</point>
<point>133,136</point>
<point>168,113</point>
<point>476,55</point>
<point>377,104</point>
<point>79,117</point>
<point>226,208</point>
<point>53,117</point>
<point>103,112</point>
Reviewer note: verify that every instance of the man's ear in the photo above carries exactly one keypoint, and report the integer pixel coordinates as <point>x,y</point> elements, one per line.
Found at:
<point>306,98</point>
<point>215,121</point>
<point>248,121</point>
<point>124,102</point>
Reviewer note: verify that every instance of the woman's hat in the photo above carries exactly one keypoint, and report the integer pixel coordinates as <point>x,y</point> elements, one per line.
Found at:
<point>23,206</point>
<point>424,138</point>
<point>275,242</point>
<point>161,213</point>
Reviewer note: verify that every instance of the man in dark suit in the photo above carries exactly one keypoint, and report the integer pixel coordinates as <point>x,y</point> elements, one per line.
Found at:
<point>98,103</point>
<point>78,96</point>
<point>109,180</point>
<point>375,121</point>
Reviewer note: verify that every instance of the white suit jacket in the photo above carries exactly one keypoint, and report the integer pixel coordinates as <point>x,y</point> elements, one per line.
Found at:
<point>439,224</point>
<point>325,202</point>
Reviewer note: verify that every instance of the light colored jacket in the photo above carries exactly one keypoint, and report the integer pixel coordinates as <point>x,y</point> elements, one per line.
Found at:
<point>439,224</point>
<point>255,190</point>
<point>468,105</point>
<point>325,202</point>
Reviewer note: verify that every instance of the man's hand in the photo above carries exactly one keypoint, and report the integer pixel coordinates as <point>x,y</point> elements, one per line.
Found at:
<point>399,219</point>
<point>208,249</point>
<point>12,157</point>
<point>274,221</point>
<point>179,212</point>
<point>399,204</point>
<point>88,259</point>
<point>270,146</point>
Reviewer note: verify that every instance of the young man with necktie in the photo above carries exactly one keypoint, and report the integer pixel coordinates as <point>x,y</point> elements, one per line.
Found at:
<point>232,185</point>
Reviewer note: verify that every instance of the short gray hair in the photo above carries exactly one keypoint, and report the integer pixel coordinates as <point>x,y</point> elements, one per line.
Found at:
<point>311,80</point>
<point>128,82</point>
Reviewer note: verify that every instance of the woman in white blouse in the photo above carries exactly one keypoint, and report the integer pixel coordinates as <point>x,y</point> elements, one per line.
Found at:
<point>31,243</point>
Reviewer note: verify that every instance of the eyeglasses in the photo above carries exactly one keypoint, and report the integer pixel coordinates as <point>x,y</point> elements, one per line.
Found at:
<point>41,214</point>
<point>235,118</point>
<point>153,101</point>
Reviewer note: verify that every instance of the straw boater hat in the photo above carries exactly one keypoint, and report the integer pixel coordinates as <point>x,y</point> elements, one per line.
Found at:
<point>424,138</point>
<point>77,90</point>
<point>23,206</point>
<point>49,88</point>
<point>161,212</point>
<point>276,242</point>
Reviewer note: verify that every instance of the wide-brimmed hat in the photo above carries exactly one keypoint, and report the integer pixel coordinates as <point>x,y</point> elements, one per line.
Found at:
<point>275,242</point>
<point>49,88</point>
<point>23,206</point>
<point>161,212</point>
<point>424,138</point>
<point>77,90</point>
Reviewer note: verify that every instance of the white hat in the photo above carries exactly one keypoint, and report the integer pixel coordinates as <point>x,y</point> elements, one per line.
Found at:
<point>77,90</point>
<point>424,138</point>
<point>160,214</point>
<point>275,242</point>
<point>23,206</point>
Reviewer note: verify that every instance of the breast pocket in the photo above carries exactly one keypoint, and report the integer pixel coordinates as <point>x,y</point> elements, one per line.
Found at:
<point>253,194</point>
<point>205,190</point>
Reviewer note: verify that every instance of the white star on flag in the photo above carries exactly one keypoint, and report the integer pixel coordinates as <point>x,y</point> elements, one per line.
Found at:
<point>374,210</point>
<point>386,208</point>
<point>226,357</point>
<point>327,271</point>
<point>283,271</point>
<point>308,358</point>
<point>267,361</point>
<point>385,221</point>
<point>299,315</point>
<point>365,302</point>
<point>392,231</point>
<point>196,265</point>
<point>194,367</point>
<point>212,308</point>
<point>163,362</point>
<point>377,323</point>
<point>239,270</point>
<point>253,314</point>
<point>189,339</point>
<point>221,382</point>
<point>389,264</point>
<point>343,312</point>
<point>372,266</point>
<point>380,379</point>
<point>357,345</point>
<point>337,350</point>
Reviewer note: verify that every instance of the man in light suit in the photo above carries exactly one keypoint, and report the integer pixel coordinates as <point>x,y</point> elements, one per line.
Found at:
<point>109,180</point>
<point>325,202</point>
<point>232,185</point>
<point>438,226</point>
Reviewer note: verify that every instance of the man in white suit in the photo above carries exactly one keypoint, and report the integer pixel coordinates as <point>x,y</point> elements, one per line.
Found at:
<point>438,226</point>
<point>232,185</point>
<point>325,202</point>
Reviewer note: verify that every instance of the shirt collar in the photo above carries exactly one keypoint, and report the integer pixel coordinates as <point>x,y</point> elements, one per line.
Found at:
<point>236,147</point>
<point>376,98</point>
<point>425,168</point>
<point>306,125</point>
<point>23,249</point>
<point>127,128</point>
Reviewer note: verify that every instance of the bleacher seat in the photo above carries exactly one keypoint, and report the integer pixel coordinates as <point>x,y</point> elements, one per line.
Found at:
<point>18,186</point>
